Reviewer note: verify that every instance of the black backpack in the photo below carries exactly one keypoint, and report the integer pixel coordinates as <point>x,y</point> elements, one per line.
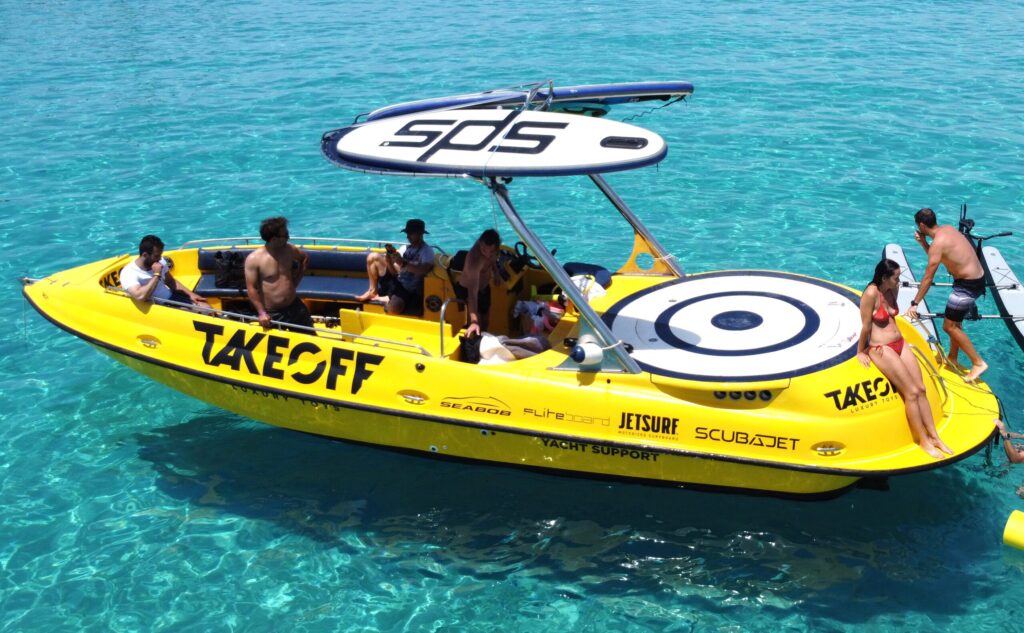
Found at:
<point>469,348</point>
<point>229,271</point>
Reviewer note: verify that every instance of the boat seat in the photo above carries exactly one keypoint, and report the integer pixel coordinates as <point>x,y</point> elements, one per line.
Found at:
<point>599,273</point>
<point>312,286</point>
<point>338,261</point>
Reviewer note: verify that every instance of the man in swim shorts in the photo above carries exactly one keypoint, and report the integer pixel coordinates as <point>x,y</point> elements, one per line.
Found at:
<point>950,248</point>
<point>478,273</point>
<point>272,274</point>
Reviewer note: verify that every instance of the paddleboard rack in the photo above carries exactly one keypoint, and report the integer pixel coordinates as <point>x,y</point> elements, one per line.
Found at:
<point>1006,287</point>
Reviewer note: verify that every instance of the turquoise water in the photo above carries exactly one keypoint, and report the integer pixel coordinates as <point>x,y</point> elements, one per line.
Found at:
<point>816,130</point>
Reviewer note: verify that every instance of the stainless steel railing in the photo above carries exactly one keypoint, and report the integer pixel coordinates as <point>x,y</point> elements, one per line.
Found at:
<point>246,318</point>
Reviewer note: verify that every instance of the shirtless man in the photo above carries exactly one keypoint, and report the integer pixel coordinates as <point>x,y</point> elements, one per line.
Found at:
<point>474,286</point>
<point>272,273</point>
<point>149,276</point>
<point>950,248</point>
<point>398,274</point>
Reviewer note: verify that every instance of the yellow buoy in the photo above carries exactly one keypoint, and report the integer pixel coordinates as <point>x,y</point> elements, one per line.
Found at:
<point>1013,533</point>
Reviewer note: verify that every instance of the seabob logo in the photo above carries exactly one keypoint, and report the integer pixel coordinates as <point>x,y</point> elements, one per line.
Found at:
<point>477,404</point>
<point>861,393</point>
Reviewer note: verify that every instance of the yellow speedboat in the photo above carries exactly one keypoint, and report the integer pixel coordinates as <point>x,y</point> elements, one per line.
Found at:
<point>741,380</point>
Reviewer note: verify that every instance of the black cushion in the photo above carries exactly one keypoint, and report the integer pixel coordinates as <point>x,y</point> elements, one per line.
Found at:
<point>340,261</point>
<point>311,287</point>
<point>458,261</point>
<point>599,273</point>
<point>207,287</point>
<point>337,288</point>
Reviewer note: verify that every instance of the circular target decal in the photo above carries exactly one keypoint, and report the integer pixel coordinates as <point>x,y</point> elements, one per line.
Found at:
<point>739,326</point>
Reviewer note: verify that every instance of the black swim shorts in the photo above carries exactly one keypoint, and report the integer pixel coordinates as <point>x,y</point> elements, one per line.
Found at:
<point>389,286</point>
<point>295,314</point>
<point>483,300</point>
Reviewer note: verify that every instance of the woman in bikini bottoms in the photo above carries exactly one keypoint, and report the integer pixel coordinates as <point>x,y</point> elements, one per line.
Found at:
<point>881,343</point>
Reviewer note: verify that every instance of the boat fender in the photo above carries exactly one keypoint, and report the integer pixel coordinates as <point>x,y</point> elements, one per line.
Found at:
<point>587,352</point>
<point>1013,533</point>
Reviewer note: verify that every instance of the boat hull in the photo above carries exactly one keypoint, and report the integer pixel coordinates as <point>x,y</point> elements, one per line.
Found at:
<point>453,439</point>
<point>398,383</point>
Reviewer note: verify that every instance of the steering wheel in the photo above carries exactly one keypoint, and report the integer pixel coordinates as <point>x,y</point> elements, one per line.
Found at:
<point>525,257</point>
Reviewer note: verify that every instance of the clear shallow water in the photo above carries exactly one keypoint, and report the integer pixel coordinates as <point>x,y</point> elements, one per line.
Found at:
<point>816,130</point>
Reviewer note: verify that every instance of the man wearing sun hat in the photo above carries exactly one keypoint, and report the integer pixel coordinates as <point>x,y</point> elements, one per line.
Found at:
<point>398,274</point>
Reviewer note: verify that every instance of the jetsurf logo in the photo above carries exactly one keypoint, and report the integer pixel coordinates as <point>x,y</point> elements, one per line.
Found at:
<point>861,394</point>
<point>631,423</point>
<point>477,404</point>
<point>435,135</point>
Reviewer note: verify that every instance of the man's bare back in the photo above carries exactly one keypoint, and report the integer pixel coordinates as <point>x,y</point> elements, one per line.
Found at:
<point>955,251</point>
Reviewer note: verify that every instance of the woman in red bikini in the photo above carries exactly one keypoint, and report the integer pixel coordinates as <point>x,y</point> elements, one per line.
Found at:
<point>882,344</point>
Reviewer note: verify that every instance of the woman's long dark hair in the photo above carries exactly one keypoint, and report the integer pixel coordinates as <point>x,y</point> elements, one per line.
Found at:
<point>885,268</point>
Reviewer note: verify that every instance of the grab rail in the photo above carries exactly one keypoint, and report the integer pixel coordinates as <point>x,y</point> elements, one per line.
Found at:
<point>259,240</point>
<point>934,372</point>
<point>444,308</point>
<point>332,334</point>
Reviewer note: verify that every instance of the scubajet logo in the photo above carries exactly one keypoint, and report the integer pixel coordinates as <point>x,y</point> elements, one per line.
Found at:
<point>862,395</point>
<point>749,439</point>
<point>439,134</point>
<point>478,404</point>
<point>332,362</point>
<point>639,424</point>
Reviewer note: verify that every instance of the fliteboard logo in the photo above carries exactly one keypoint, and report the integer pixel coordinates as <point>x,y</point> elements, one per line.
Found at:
<point>478,404</point>
<point>565,416</point>
<point>443,134</point>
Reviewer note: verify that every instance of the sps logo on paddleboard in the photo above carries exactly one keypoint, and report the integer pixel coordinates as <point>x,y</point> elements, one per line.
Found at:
<point>861,393</point>
<point>442,134</point>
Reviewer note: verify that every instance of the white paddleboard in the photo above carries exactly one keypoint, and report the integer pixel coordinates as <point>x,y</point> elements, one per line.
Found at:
<point>562,96</point>
<point>908,290</point>
<point>1007,291</point>
<point>492,142</point>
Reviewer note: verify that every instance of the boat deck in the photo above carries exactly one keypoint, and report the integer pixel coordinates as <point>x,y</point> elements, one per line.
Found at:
<point>738,326</point>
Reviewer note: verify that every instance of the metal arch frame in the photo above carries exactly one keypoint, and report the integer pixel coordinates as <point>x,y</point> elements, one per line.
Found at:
<point>616,356</point>
<point>638,226</point>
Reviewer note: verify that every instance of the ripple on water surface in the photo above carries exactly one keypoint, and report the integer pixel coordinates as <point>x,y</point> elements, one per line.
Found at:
<point>815,132</point>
